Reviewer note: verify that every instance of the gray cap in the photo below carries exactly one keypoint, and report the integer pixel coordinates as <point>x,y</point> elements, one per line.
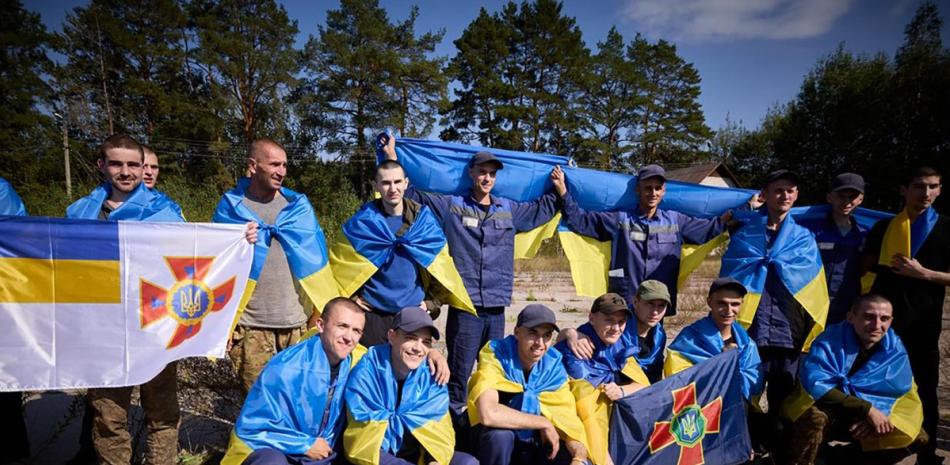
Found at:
<point>610,303</point>
<point>483,157</point>
<point>782,174</point>
<point>848,181</point>
<point>411,319</point>
<point>727,283</point>
<point>535,315</point>
<point>652,289</point>
<point>651,171</point>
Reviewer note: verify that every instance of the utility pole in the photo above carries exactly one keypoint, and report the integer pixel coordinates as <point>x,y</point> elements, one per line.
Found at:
<point>69,179</point>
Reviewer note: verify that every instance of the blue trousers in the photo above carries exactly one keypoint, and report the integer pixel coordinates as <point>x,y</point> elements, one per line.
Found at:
<point>276,457</point>
<point>459,458</point>
<point>465,334</point>
<point>502,447</point>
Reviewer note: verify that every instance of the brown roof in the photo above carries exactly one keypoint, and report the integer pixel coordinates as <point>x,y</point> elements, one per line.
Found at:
<point>696,173</point>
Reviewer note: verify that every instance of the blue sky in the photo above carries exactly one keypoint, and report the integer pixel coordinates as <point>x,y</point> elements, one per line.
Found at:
<point>751,54</point>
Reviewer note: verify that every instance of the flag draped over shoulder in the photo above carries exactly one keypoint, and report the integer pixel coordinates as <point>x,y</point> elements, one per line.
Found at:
<point>701,341</point>
<point>546,392</point>
<point>287,404</point>
<point>593,407</point>
<point>141,205</point>
<point>367,243</point>
<point>795,257</point>
<point>376,422</point>
<point>299,234</point>
<point>10,203</point>
<point>902,237</point>
<point>885,381</point>
<point>694,417</point>
<point>88,304</point>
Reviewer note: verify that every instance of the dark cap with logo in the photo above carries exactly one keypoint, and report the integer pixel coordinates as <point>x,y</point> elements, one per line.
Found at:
<point>610,303</point>
<point>726,282</point>
<point>651,171</point>
<point>483,157</point>
<point>787,175</point>
<point>848,181</point>
<point>652,289</point>
<point>411,319</point>
<point>535,315</point>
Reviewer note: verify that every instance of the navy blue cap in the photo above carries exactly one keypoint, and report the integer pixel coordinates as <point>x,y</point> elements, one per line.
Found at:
<point>411,319</point>
<point>848,181</point>
<point>535,315</point>
<point>483,157</point>
<point>782,174</point>
<point>728,283</point>
<point>651,171</point>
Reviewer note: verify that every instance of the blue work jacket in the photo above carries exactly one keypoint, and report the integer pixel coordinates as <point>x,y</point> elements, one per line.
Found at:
<point>841,257</point>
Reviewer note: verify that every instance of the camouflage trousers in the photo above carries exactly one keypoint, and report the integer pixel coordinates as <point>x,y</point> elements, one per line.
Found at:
<point>110,432</point>
<point>252,348</point>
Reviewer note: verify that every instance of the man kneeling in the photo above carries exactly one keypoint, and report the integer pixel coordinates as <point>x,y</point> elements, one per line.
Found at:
<point>397,413</point>
<point>856,384</point>
<point>520,397</point>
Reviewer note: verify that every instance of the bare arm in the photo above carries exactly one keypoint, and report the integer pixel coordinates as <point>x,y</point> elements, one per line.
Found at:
<point>910,267</point>
<point>389,149</point>
<point>496,415</point>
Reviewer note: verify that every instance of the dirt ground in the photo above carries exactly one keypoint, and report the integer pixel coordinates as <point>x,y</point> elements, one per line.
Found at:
<point>210,399</point>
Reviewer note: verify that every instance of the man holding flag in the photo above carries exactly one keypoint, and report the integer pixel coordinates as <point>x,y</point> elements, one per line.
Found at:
<point>856,385</point>
<point>291,256</point>
<point>910,256</point>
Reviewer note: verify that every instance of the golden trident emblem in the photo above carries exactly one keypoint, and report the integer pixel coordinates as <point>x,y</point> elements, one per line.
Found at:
<point>190,301</point>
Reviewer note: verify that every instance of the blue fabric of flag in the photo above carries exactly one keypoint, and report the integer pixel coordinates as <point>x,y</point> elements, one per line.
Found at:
<point>141,205</point>
<point>10,202</point>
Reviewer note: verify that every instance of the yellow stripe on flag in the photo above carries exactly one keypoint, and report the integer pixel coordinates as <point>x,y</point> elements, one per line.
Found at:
<point>43,280</point>
<point>675,363</point>
<point>362,440</point>
<point>443,270</point>
<point>691,256</point>
<point>814,297</point>
<point>438,438</point>
<point>350,269</point>
<point>320,288</point>
<point>907,416</point>
<point>527,243</point>
<point>590,262</point>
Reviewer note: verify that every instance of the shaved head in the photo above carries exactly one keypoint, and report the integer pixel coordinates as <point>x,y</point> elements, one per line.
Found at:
<point>261,147</point>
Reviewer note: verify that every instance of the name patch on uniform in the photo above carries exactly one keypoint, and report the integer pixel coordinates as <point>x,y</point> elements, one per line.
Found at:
<point>616,273</point>
<point>638,236</point>
<point>826,245</point>
<point>469,222</point>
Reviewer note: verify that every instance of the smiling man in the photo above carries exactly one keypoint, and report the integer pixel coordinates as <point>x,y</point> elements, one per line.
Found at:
<point>398,414</point>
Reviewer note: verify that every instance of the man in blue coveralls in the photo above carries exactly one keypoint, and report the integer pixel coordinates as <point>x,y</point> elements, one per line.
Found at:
<point>480,229</point>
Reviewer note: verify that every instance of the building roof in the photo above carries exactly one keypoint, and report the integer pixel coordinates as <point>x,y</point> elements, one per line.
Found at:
<point>697,173</point>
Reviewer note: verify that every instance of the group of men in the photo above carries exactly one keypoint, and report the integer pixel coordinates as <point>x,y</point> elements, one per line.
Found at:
<point>366,387</point>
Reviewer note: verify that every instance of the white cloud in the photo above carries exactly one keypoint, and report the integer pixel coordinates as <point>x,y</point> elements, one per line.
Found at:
<point>696,20</point>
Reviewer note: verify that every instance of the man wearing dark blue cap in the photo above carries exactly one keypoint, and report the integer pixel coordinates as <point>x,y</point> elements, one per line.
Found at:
<point>839,239</point>
<point>480,229</point>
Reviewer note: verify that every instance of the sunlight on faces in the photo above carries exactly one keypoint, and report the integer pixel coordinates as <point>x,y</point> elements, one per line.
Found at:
<point>340,331</point>
<point>844,201</point>
<point>871,320</point>
<point>267,167</point>
<point>724,305</point>
<point>609,326</point>
<point>409,349</point>
<point>122,168</point>
<point>391,184</point>
<point>649,312</point>
<point>150,170</point>
<point>533,343</point>
<point>780,195</point>
<point>650,191</point>
<point>922,192</point>
<point>483,177</point>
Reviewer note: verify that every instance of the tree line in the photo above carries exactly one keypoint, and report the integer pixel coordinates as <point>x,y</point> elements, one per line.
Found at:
<point>199,79</point>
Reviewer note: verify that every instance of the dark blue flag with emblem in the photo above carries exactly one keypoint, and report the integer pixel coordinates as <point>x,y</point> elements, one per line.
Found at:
<point>696,416</point>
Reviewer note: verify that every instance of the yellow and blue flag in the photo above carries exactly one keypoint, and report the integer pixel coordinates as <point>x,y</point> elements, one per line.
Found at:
<point>367,243</point>
<point>87,303</point>
<point>694,417</point>
<point>142,205</point>
<point>886,381</point>
<point>10,202</point>
<point>701,341</point>
<point>793,255</point>
<point>902,237</point>
<point>300,235</point>
<point>379,417</point>
<point>291,404</point>
<point>546,392</point>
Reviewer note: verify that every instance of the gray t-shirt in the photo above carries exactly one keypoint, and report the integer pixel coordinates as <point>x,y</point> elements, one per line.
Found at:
<point>277,301</point>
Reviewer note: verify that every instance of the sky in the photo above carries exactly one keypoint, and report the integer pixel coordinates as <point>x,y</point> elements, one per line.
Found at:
<point>751,54</point>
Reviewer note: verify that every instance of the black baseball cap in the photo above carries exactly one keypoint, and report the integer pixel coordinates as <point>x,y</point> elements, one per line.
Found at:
<point>651,171</point>
<point>535,315</point>
<point>782,174</point>
<point>411,319</point>
<point>848,181</point>
<point>727,283</point>
<point>610,303</point>
<point>483,157</point>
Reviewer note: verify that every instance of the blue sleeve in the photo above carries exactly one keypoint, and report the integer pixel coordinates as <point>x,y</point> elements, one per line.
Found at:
<point>529,215</point>
<point>439,203</point>
<point>699,230</point>
<point>599,225</point>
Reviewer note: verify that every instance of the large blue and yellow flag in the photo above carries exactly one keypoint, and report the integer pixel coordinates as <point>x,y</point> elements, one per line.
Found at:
<point>367,243</point>
<point>701,341</point>
<point>10,203</point>
<point>289,402</point>
<point>546,392</point>
<point>902,237</point>
<point>379,418</point>
<point>142,205</point>
<point>89,303</point>
<point>610,364</point>
<point>885,381</point>
<point>298,232</point>
<point>696,416</point>
<point>795,257</point>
